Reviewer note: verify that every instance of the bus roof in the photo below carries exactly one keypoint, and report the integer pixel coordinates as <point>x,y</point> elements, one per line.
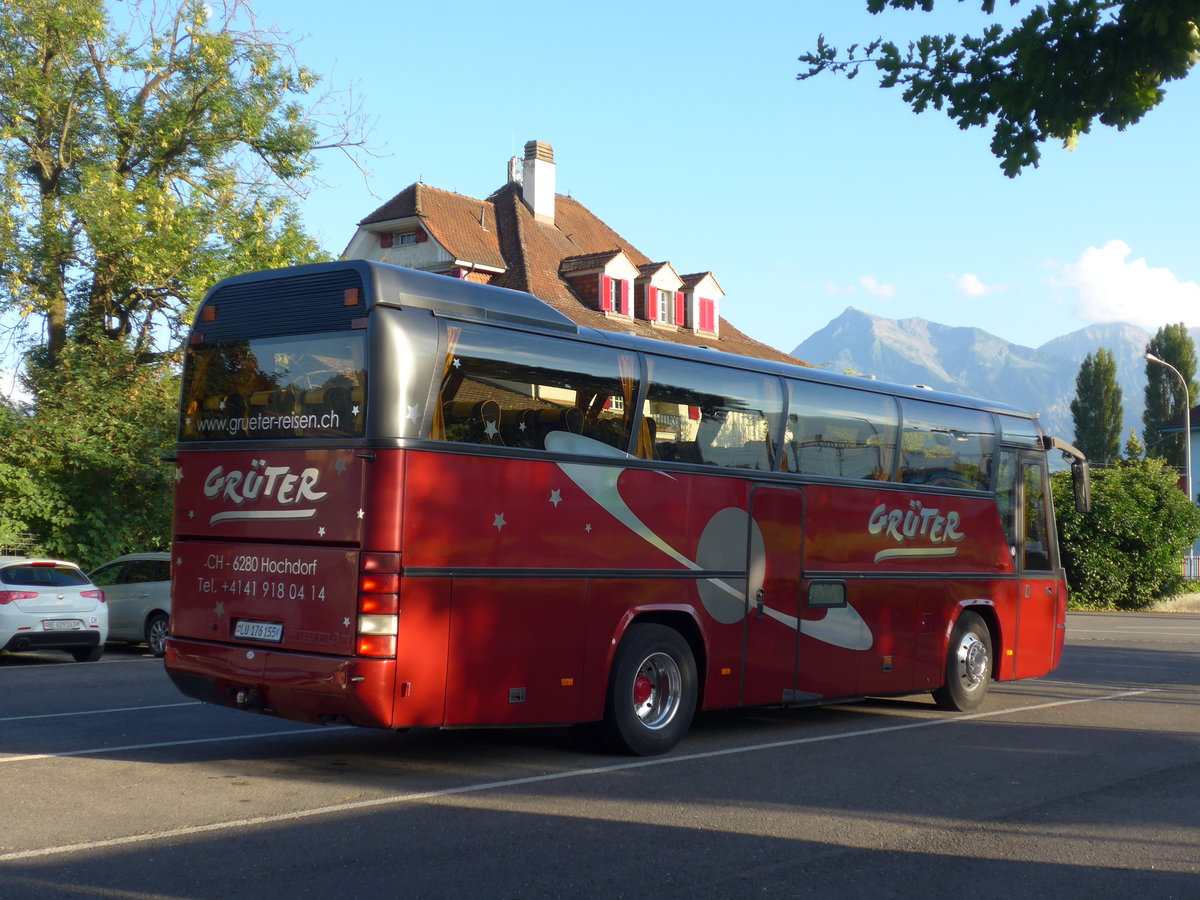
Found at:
<point>397,286</point>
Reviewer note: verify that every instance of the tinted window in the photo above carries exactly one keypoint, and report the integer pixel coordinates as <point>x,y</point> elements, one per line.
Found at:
<point>297,386</point>
<point>1020,431</point>
<point>515,390</point>
<point>946,446</point>
<point>840,432</point>
<point>43,576</point>
<point>107,575</point>
<point>710,414</point>
<point>142,570</point>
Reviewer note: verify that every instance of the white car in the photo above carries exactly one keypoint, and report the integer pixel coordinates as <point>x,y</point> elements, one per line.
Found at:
<point>48,604</point>
<point>138,589</point>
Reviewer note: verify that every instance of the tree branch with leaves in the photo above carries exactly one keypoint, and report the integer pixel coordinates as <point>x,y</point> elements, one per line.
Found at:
<point>1064,66</point>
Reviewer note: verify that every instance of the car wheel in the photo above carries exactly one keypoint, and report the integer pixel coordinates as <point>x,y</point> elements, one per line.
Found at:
<point>156,633</point>
<point>87,654</point>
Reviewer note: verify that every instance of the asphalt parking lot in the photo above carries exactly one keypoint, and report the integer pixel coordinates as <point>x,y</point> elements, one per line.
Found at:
<point>1082,783</point>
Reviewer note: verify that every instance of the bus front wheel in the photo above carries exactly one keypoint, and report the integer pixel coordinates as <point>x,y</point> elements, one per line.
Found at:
<point>968,665</point>
<point>652,691</point>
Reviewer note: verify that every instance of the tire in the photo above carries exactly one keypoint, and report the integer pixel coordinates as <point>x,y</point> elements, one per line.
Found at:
<point>969,665</point>
<point>156,632</point>
<point>88,654</point>
<point>652,691</point>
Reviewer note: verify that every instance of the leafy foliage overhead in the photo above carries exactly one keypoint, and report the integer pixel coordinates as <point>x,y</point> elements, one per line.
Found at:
<point>1066,64</point>
<point>146,151</point>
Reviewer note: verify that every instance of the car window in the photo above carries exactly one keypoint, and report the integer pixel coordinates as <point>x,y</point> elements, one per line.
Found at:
<point>107,575</point>
<point>43,576</point>
<point>143,570</point>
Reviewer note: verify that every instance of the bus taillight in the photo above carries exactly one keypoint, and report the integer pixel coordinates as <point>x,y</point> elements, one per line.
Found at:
<point>378,604</point>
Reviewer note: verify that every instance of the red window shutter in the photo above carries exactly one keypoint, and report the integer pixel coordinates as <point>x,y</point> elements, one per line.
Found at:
<point>385,239</point>
<point>694,413</point>
<point>680,308</point>
<point>706,315</point>
<point>651,303</point>
<point>421,235</point>
<point>605,293</point>
<point>625,298</point>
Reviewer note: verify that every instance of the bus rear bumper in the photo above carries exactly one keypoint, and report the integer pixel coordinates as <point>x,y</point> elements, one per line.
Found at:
<point>299,686</point>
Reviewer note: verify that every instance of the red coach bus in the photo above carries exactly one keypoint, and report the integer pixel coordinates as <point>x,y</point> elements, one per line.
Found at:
<point>406,500</point>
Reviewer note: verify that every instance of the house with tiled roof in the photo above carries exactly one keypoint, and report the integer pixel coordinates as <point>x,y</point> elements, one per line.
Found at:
<point>528,237</point>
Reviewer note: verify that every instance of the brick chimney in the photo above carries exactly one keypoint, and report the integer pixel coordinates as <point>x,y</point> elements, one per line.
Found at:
<point>537,180</point>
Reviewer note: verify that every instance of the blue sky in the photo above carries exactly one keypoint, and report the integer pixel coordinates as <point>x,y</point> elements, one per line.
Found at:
<point>683,126</point>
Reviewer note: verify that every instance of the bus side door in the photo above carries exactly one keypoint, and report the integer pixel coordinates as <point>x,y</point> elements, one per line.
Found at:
<point>771,638</point>
<point>1038,607</point>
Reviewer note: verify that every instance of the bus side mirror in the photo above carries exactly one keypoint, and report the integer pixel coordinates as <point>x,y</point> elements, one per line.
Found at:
<point>1081,484</point>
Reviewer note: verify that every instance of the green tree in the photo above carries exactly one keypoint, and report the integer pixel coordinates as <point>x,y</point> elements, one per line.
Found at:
<point>147,150</point>
<point>1165,393</point>
<point>1134,448</point>
<point>1096,409</point>
<point>141,163</point>
<point>1125,553</point>
<point>1066,64</point>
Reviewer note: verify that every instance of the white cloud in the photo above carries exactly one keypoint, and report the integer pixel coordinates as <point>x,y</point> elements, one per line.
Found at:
<point>1111,287</point>
<point>875,289</point>
<point>969,285</point>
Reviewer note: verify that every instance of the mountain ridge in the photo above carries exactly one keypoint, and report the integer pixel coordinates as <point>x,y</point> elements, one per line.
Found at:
<point>969,360</point>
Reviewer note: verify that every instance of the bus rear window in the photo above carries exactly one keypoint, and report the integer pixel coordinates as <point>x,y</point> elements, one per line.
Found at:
<point>296,386</point>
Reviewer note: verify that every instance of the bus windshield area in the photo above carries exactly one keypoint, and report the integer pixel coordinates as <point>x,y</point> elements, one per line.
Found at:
<point>295,386</point>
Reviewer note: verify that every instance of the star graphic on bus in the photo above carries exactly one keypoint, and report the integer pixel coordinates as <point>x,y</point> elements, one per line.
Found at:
<point>498,521</point>
<point>556,498</point>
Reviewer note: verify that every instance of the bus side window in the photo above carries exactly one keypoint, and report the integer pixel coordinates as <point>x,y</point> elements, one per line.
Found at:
<point>712,415</point>
<point>946,446</point>
<point>1006,498</point>
<point>512,389</point>
<point>840,432</point>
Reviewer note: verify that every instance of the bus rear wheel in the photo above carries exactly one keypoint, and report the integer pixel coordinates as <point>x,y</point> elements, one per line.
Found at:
<point>968,665</point>
<point>652,691</point>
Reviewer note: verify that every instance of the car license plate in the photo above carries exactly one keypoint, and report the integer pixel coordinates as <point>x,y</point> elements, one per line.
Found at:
<point>62,625</point>
<point>258,631</point>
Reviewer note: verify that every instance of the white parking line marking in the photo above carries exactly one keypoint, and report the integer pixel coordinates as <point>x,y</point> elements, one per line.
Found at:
<point>99,751</point>
<point>1132,632</point>
<point>98,712</point>
<point>191,830</point>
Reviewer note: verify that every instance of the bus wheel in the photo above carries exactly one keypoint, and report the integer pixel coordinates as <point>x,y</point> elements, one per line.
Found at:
<point>651,692</point>
<point>968,665</point>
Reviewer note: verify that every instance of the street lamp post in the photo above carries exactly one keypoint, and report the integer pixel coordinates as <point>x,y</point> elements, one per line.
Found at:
<point>1187,434</point>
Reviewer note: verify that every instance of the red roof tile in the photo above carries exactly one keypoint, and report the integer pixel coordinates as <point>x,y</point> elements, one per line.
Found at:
<point>502,232</point>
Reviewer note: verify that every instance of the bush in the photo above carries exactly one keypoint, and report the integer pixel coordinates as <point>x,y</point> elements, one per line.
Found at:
<point>1125,553</point>
<point>83,478</point>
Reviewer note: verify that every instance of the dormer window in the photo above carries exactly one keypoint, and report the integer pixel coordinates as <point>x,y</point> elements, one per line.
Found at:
<point>614,296</point>
<point>401,238</point>
<point>666,307</point>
